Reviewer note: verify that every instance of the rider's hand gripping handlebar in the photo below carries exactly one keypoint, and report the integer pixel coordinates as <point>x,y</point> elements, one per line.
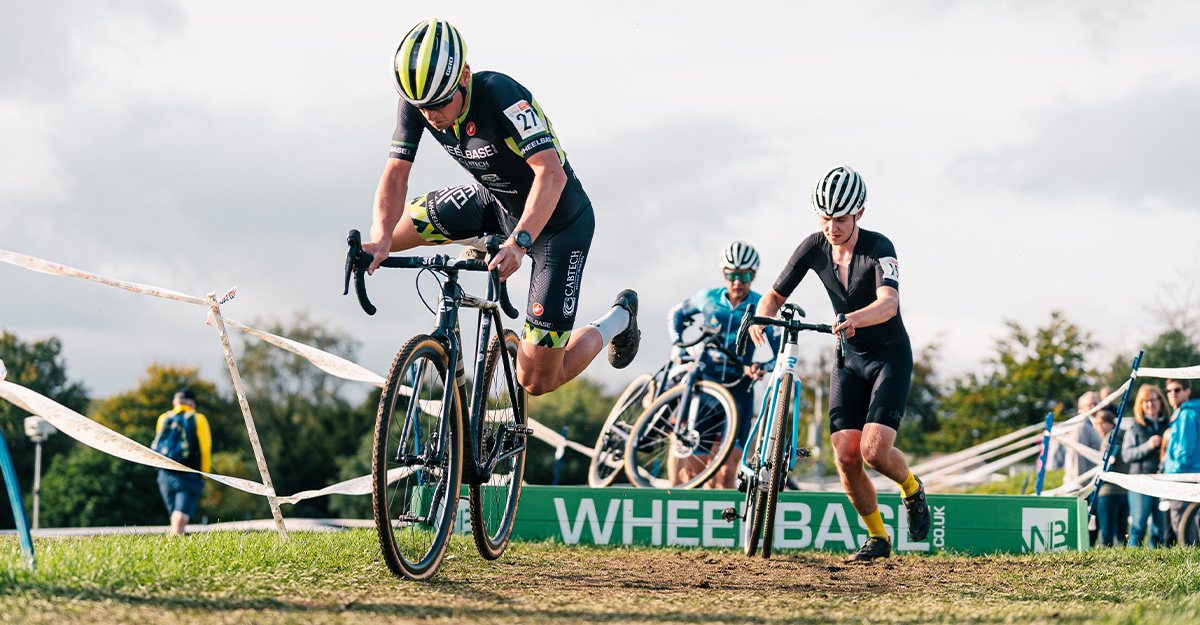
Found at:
<point>495,284</point>
<point>839,352</point>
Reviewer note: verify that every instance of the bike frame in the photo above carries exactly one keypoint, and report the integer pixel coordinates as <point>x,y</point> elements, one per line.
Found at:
<point>454,298</point>
<point>695,370</point>
<point>789,357</point>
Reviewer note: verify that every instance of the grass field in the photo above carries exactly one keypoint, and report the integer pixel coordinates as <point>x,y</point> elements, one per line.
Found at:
<point>339,578</point>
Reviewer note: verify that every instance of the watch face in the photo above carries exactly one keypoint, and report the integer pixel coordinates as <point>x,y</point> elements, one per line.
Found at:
<point>523,238</point>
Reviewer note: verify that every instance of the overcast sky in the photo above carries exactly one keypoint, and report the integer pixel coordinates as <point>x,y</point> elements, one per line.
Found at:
<point>1024,157</point>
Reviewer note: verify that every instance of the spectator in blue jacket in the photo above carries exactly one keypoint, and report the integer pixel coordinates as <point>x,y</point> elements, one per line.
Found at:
<point>1142,448</point>
<point>1182,454</point>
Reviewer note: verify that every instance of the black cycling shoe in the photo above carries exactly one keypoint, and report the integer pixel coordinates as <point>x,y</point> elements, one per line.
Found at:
<point>917,510</point>
<point>624,346</point>
<point>874,548</point>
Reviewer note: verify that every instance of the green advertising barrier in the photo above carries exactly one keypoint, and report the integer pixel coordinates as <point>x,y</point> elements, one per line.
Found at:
<point>806,520</point>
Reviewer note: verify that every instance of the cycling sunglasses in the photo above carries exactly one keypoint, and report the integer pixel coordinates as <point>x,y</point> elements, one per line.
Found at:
<point>443,103</point>
<point>745,277</point>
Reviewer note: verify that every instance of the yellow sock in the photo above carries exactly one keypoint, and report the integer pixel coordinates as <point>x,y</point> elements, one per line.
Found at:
<point>874,523</point>
<point>910,485</point>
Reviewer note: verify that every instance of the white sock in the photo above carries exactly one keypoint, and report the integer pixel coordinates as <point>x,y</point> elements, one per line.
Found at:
<point>612,323</point>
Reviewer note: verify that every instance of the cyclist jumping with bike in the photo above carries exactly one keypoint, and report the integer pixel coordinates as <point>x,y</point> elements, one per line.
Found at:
<point>866,398</point>
<point>525,190</point>
<point>721,309</point>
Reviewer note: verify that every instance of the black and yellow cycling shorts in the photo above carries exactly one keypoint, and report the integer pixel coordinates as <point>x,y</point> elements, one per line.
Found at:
<point>466,211</point>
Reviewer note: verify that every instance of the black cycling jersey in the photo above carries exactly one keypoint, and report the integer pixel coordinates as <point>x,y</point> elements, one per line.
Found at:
<point>873,265</point>
<point>501,125</point>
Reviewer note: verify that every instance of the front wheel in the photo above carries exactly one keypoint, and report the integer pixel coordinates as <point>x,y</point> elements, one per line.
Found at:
<point>416,461</point>
<point>678,445</point>
<point>500,413</point>
<point>781,433</point>
<point>608,458</point>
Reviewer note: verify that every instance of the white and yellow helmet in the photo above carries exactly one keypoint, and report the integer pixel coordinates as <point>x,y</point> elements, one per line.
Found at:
<point>841,191</point>
<point>428,63</point>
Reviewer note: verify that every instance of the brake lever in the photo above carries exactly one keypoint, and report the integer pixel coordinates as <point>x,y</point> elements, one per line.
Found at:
<point>358,262</point>
<point>840,351</point>
<point>743,333</point>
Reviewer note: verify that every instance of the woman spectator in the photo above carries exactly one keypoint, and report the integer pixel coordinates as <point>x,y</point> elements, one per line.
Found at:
<point>1112,503</point>
<point>1142,449</point>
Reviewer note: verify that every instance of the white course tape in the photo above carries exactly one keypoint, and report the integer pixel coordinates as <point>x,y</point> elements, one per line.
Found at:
<point>1179,373</point>
<point>329,363</point>
<point>1081,483</point>
<point>1154,486</point>
<point>3,371</point>
<point>45,266</point>
<point>1093,455</point>
<point>103,439</point>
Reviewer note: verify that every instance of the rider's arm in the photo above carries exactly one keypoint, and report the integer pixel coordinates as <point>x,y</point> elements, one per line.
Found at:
<point>768,306</point>
<point>678,316</point>
<point>549,179</point>
<point>887,302</point>
<point>388,208</point>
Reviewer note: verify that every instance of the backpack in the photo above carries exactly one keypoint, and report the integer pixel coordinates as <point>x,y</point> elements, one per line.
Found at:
<point>177,439</point>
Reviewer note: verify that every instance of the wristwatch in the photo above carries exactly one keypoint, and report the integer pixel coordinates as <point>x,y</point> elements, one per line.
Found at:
<point>523,239</point>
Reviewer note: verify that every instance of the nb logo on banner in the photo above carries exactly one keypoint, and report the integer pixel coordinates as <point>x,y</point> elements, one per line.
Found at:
<point>1044,529</point>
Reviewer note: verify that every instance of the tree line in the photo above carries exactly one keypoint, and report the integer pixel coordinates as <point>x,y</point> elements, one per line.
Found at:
<point>316,430</point>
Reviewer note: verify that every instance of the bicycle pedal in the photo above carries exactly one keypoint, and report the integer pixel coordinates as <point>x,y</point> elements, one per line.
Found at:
<point>519,430</point>
<point>803,452</point>
<point>730,514</point>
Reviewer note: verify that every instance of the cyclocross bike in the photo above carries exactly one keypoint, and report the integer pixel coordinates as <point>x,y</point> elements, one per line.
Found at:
<point>430,440</point>
<point>771,451</point>
<point>608,455</point>
<point>686,433</point>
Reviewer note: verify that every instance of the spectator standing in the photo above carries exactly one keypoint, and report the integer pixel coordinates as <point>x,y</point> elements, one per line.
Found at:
<point>1112,501</point>
<point>1069,460</point>
<point>1182,453</point>
<point>1141,449</point>
<point>182,434</point>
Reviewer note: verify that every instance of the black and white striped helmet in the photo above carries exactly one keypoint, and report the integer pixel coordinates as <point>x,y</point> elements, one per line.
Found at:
<point>428,63</point>
<point>839,192</point>
<point>739,255</point>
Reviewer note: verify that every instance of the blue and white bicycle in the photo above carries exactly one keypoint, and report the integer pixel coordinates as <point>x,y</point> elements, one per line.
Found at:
<point>771,451</point>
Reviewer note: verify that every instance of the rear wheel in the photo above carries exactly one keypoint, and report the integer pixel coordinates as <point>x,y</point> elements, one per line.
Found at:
<point>781,432</point>
<point>499,411</point>
<point>416,461</point>
<point>681,446</point>
<point>608,459</point>
<point>1189,526</point>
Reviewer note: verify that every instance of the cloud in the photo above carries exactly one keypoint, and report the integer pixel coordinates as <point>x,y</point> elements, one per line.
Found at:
<point>46,45</point>
<point>1138,150</point>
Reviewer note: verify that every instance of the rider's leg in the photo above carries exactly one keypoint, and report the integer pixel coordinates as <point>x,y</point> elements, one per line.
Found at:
<point>726,476</point>
<point>878,452</point>
<point>543,369</point>
<point>852,471</point>
<point>847,452</point>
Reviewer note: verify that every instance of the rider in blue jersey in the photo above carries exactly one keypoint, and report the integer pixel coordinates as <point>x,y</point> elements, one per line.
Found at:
<point>722,309</point>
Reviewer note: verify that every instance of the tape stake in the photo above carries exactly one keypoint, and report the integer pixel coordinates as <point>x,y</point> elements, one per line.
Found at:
<point>251,431</point>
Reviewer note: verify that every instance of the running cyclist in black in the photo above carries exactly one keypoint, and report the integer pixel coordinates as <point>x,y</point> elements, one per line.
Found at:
<point>525,190</point>
<point>867,397</point>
